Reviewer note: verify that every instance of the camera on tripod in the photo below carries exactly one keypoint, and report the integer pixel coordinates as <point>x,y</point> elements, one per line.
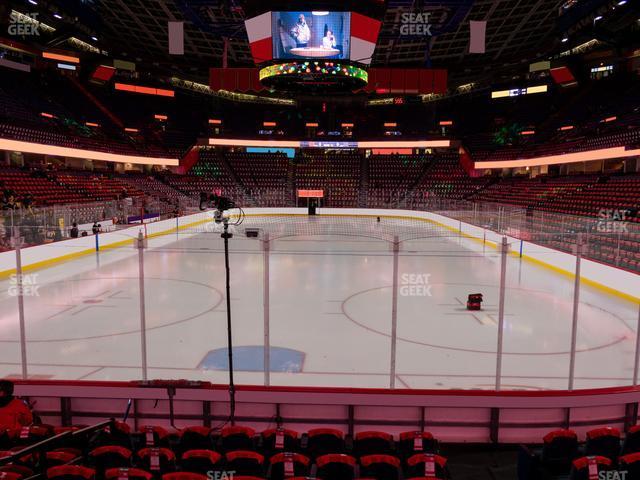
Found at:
<point>221,204</point>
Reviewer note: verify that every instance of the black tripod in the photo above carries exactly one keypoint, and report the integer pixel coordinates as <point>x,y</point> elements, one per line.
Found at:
<point>226,235</point>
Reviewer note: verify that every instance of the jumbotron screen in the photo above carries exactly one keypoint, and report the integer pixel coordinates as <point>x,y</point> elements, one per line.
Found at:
<point>315,34</point>
<point>305,35</point>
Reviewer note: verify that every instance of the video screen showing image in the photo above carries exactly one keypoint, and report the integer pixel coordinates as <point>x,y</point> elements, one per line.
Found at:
<point>298,35</point>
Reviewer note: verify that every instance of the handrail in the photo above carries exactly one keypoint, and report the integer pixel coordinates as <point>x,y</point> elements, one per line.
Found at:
<point>52,440</point>
<point>33,448</point>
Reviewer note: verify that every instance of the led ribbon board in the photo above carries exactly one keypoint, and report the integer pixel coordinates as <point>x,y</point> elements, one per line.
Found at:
<point>310,72</point>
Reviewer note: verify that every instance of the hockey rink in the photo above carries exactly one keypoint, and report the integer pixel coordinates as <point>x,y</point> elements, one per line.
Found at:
<point>329,312</point>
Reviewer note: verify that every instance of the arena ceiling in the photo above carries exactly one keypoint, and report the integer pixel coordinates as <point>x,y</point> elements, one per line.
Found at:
<point>518,31</point>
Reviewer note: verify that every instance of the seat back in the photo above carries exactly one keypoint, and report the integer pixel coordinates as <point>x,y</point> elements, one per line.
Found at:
<point>417,442</point>
<point>427,465</point>
<point>245,462</point>
<point>325,441</point>
<point>380,467</point>
<point>372,443</point>
<point>589,468</point>
<point>336,466</point>
<point>287,465</point>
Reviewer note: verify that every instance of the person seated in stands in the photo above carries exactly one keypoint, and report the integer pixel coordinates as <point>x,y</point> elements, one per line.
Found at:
<point>14,413</point>
<point>74,232</point>
<point>27,202</point>
<point>9,203</point>
<point>4,235</point>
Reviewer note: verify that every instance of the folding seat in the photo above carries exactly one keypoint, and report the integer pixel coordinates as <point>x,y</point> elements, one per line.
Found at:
<point>70,472</point>
<point>127,474</point>
<point>55,459</point>
<point>630,463</point>
<point>336,466</point>
<point>603,442</point>
<point>32,434</point>
<point>280,440</point>
<point>237,438</point>
<point>287,465</point>
<point>427,465</point>
<point>154,436</point>
<point>559,450</point>
<point>116,434</point>
<point>156,459</point>
<point>323,441</point>
<point>195,438</point>
<point>21,470</point>
<point>200,461</point>
<point>184,476</point>
<point>417,442</point>
<point>11,476</point>
<point>588,468</point>
<point>109,456</point>
<point>380,467</point>
<point>370,443</point>
<point>245,462</point>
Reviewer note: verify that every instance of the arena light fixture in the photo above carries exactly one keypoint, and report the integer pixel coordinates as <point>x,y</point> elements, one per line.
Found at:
<point>60,57</point>
<point>54,150</point>
<point>236,142</point>
<point>565,158</point>
<point>319,14</point>
<point>143,90</point>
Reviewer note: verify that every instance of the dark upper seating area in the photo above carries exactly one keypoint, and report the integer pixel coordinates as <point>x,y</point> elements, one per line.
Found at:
<point>35,108</point>
<point>597,114</point>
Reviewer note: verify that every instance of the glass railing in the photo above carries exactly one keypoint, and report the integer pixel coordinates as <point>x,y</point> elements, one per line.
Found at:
<point>384,299</point>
